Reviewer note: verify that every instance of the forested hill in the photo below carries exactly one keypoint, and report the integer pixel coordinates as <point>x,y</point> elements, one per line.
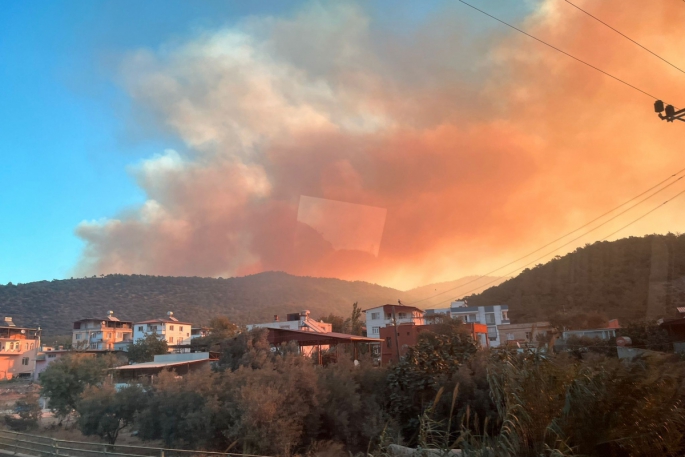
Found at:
<point>630,279</point>
<point>54,305</point>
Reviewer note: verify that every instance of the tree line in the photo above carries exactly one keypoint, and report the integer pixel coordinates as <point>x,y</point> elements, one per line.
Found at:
<point>445,393</point>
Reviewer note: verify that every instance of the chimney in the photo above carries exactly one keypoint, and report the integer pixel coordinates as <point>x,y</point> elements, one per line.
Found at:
<point>275,317</point>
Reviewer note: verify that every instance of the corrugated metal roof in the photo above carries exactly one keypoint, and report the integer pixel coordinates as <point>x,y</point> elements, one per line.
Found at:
<point>157,364</point>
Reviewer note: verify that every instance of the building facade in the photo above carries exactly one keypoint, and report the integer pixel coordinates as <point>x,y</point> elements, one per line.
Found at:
<point>491,316</point>
<point>18,350</point>
<point>170,329</point>
<point>398,339</point>
<point>101,333</point>
<point>382,316</point>
<point>531,334</point>
<point>296,321</point>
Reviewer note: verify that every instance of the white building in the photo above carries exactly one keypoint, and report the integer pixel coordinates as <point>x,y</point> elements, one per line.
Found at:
<point>384,315</point>
<point>173,331</point>
<point>492,316</point>
<point>296,321</point>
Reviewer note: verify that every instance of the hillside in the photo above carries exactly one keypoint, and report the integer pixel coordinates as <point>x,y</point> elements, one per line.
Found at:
<point>441,292</point>
<point>54,305</point>
<point>631,279</point>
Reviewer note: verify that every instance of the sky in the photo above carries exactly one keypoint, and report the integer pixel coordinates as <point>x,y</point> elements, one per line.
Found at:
<point>400,143</point>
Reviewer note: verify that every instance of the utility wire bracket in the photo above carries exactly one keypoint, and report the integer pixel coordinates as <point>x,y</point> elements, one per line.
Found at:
<point>671,114</point>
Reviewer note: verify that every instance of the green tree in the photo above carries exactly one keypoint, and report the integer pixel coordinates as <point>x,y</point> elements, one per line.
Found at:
<point>354,324</point>
<point>145,350</point>
<point>428,366</point>
<point>29,411</point>
<point>337,322</point>
<point>104,411</point>
<point>221,329</point>
<point>64,380</point>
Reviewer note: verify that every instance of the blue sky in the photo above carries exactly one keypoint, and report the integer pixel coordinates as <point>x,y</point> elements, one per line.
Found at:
<point>66,136</point>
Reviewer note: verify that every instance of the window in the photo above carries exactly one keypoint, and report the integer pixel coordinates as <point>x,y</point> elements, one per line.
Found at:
<point>402,315</point>
<point>388,341</point>
<point>187,334</point>
<point>375,316</point>
<point>490,318</point>
<point>78,336</point>
<point>528,336</point>
<point>118,335</point>
<point>93,345</point>
<point>505,316</point>
<point>51,356</point>
<point>171,339</point>
<point>109,335</point>
<point>510,336</point>
<point>26,346</point>
<point>140,328</point>
<point>388,316</point>
<point>375,330</point>
<point>25,361</point>
<point>492,333</point>
<point>171,327</point>
<point>180,328</point>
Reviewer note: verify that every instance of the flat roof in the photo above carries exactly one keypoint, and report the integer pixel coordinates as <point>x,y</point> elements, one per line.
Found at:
<point>162,320</point>
<point>282,335</point>
<point>397,308</point>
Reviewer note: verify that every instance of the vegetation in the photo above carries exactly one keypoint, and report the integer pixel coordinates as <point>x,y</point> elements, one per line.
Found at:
<point>65,379</point>
<point>622,279</point>
<point>145,350</point>
<point>54,305</point>
<point>104,411</point>
<point>28,413</point>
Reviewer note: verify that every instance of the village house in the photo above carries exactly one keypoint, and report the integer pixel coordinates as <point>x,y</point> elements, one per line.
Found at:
<point>18,349</point>
<point>296,321</point>
<point>170,329</point>
<point>101,333</point>
<point>178,363</point>
<point>532,334</point>
<point>491,316</point>
<point>398,339</point>
<point>604,333</point>
<point>384,315</point>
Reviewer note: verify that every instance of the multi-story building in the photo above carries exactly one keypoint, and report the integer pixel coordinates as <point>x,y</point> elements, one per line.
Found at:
<point>492,316</point>
<point>170,329</point>
<point>101,333</point>
<point>18,349</point>
<point>382,316</point>
<point>296,321</point>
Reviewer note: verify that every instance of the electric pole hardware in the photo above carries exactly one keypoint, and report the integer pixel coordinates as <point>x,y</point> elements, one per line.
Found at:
<point>671,114</point>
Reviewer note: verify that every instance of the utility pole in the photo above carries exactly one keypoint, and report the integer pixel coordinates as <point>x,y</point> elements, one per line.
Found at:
<point>397,338</point>
<point>671,114</point>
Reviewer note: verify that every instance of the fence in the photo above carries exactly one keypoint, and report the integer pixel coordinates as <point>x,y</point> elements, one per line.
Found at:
<point>23,444</point>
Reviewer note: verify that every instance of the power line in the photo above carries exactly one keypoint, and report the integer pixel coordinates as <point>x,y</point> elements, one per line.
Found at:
<point>563,52</point>
<point>565,235</point>
<point>554,250</point>
<point>644,215</point>
<point>625,36</point>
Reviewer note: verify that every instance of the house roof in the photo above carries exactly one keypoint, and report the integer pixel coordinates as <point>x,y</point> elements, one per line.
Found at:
<point>162,320</point>
<point>108,319</point>
<point>282,335</point>
<point>398,308</point>
<point>158,365</point>
<point>681,309</point>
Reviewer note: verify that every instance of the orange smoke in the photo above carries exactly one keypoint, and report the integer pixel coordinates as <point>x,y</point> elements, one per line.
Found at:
<point>477,158</point>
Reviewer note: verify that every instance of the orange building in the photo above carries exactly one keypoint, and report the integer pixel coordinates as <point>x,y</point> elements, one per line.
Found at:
<point>18,349</point>
<point>407,336</point>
